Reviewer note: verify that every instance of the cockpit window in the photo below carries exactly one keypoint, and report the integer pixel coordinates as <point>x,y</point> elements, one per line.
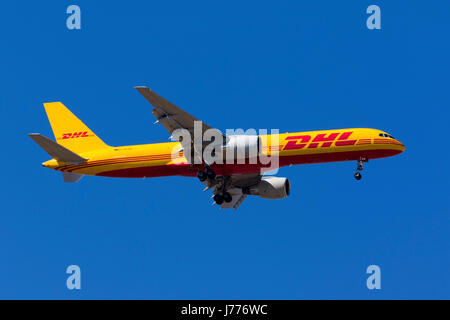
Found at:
<point>385,135</point>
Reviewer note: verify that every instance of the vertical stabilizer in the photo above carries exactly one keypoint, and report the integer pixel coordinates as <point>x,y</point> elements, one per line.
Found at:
<point>69,131</point>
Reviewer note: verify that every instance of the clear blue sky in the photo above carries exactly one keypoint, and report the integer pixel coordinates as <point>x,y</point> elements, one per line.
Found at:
<point>262,64</point>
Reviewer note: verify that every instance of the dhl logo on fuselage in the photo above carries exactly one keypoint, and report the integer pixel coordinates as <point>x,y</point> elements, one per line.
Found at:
<point>321,140</point>
<point>75,135</point>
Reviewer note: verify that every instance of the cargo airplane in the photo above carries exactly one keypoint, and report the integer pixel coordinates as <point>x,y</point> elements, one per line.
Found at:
<point>78,152</point>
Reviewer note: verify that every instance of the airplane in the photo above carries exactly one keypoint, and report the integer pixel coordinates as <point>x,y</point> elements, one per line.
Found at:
<point>78,152</point>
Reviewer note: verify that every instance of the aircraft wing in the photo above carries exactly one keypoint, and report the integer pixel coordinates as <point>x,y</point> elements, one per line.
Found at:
<point>169,115</point>
<point>173,118</point>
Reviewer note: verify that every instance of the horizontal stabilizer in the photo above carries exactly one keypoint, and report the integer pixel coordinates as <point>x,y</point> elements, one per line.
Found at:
<point>55,150</point>
<point>71,177</point>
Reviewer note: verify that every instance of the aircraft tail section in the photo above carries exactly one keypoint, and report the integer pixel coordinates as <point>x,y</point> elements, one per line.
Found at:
<point>69,131</point>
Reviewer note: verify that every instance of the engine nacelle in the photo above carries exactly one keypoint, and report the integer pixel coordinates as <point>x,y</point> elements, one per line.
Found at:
<point>242,147</point>
<point>270,188</point>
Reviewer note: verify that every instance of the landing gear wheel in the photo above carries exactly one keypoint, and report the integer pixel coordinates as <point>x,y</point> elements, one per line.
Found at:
<point>210,174</point>
<point>218,199</point>
<point>227,197</point>
<point>357,175</point>
<point>202,176</point>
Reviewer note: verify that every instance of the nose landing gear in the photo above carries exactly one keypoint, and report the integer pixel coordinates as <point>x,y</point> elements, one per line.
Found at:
<point>360,167</point>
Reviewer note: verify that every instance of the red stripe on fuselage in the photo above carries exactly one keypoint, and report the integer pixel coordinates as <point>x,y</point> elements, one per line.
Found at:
<point>89,164</point>
<point>230,169</point>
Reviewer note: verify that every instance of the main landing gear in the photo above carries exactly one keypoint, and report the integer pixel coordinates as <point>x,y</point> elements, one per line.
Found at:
<point>357,174</point>
<point>220,185</point>
<point>208,173</point>
<point>221,195</point>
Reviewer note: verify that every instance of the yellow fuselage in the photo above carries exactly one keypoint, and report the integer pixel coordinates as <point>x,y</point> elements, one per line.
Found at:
<point>164,159</point>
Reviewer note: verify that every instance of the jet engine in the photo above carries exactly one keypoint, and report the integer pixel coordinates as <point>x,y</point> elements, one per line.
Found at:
<point>242,147</point>
<point>270,188</point>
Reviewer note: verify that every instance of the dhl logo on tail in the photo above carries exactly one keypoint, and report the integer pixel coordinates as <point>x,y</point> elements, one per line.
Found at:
<point>74,135</point>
